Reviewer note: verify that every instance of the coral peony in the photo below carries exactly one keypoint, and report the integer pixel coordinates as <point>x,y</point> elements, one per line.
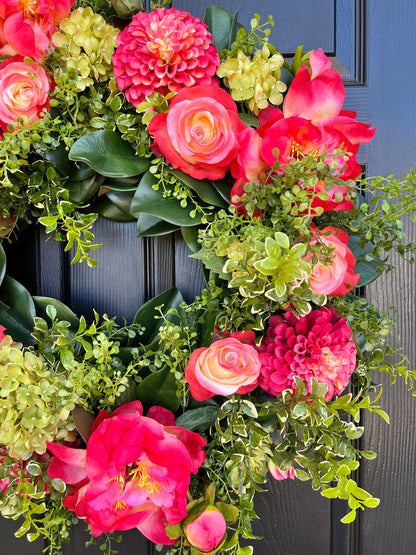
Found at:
<point>207,531</point>
<point>163,51</point>
<point>135,471</point>
<point>228,366</point>
<point>24,91</point>
<point>336,277</point>
<point>318,345</point>
<point>198,134</point>
<point>26,27</point>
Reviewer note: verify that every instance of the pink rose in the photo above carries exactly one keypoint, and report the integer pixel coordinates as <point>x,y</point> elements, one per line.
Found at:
<point>207,531</point>
<point>24,91</point>
<point>135,472</point>
<point>228,366</point>
<point>198,135</point>
<point>336,277</point>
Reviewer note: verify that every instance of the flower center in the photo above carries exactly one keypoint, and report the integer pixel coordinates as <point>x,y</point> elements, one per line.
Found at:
<point>141,479</point>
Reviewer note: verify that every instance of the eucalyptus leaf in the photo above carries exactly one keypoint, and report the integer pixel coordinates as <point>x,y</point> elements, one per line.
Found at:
<point>147,200</point>
<point>150,226</point>
<point>170,299</point>
<point>108,154</point>
<point>159,389</point>
<point>18,317</point>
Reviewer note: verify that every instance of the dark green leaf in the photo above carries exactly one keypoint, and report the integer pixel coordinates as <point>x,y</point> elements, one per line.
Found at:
<point>190,236</point>
<point>150,226</point>
<point>198,419</point>
<point>222,26</point>
<point>107,153</point>
<point>366,268</point>
<point>81,191</point>
<point>63,312</point>
<point>76,172</point>
<point>170,299</point>
<point>159,389</point>
<point>115,206</point>
<point>122,183</point>
<point>17,318</point>
<point>148,201</point>
<point>3,263</point>
<point>224,188</point>
<point>203,188</point>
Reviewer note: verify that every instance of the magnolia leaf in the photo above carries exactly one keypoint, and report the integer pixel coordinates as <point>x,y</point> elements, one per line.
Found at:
<point>222,25</point>
<point>198,419</point>
<point>75,172</point>
<point>121,183</point>
<point>159,389</point>
<point>150,226</point>
<point>83,420</point>
<point>170,299</point>
<point>150,201</point>
<point>115,206</point>
<point>107,153</point>
<point>83,190</point>
<point>366,268</point>
<point>63,313</point>
<point>204,188</point>
<point>190,236</point>
<point>3,263</point>
<point>17,310</point>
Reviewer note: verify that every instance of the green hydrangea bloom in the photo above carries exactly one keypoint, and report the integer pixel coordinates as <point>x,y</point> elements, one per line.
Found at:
<point>35,403</point>
<point>86,44</point>
<point>254,80</point>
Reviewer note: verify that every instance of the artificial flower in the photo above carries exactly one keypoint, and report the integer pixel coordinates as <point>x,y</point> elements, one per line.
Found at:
<point>319,345</point>
<point>134,472</point>
<point>228,366</point>
<point>27,26</point>
<point>335,276</point>
<point>199,133</point>
<point>207,531</point>
<point>279,474</point>
<point>163,51</point>
<point>24,91</point>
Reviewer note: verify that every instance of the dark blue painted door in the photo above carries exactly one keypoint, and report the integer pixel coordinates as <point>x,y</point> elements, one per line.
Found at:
<point>373,45</point>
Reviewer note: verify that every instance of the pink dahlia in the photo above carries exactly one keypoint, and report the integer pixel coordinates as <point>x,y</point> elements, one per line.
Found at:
<point>163,51</point>
<point>319,345</point>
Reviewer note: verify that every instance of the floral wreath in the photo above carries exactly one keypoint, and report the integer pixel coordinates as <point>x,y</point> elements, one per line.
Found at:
<point>171,423</point>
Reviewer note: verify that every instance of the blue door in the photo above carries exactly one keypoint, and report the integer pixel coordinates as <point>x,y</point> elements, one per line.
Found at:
<point>372,43</point>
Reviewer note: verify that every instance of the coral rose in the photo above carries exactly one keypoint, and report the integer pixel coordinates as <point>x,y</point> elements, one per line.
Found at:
<point>319,345</point>
<point>336,277</point>
<point>228,366</point>
<point>135,471</point>
<point>207,531</point>
<point>24,91</point>
<point>163,51</point>
<point>198,134</point>
<point>26,27</point>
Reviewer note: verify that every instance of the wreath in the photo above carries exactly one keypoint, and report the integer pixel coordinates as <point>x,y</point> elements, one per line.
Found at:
<point>171,423</point>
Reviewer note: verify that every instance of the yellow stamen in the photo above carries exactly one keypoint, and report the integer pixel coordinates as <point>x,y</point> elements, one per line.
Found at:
<point>142,479</point>
<point>119,505</point>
